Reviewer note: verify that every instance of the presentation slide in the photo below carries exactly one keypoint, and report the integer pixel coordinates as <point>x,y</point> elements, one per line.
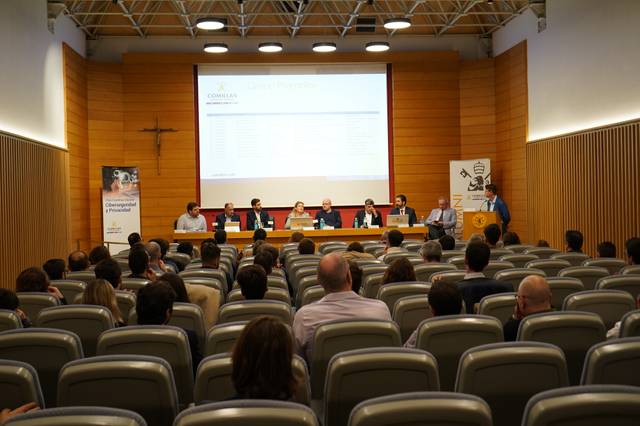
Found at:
<point>288,133</point>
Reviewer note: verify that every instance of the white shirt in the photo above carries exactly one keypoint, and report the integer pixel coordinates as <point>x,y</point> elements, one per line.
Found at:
<point>493,204</point>
<point>368,218</point>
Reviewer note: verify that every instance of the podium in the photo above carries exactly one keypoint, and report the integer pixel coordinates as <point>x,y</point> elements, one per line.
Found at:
<point>475,222</point>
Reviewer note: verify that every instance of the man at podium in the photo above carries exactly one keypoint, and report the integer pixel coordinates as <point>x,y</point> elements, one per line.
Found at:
<point>442,221</point>
<point>496,204</point>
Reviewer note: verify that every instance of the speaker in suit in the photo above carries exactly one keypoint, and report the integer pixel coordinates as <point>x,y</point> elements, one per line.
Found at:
<point>375,220</point>
<point>407,211</point>
<point>251,219</point>
<point>222,218</point>
<point>496,204</point>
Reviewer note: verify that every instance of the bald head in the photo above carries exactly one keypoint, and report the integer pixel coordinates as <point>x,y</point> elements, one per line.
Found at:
<point>333,273</point>
<point>534,295</point>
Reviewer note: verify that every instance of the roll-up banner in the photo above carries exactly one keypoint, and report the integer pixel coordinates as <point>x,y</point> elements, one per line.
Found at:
<point>467,180</point>
<point>120,205</point>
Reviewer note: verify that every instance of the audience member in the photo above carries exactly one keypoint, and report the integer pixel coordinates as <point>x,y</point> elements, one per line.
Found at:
<point>393,243</point>
<point>432,251</point>
<point>134,238</point>
<point>296,237</point>
<point>98,253</point>
<point>264,259</point>
<point>475,285</point>
<point>100,292</point>
<point>444,299</point>
<point>177,284</point>
<point>155,258</point>
<point>220,236</point>
<point>633,251</point>
<point>256,246</point>
<point>253,282</point>
<point>109,269</point>
<point>534,297</point>
<point>542,243</point>
<point>510,238</point>
<point>356,276</point>
<point>400,270</point>
<point>259,234</point>
<point>262,362</point>
<point>615,331</point>
<point>211,260</point>
<point>8,413</point>
<point>447,242</point>
<point>275,260</point>
<point>9,300</point>
<point>139,264</point>
<point>606,249</point>
<point>78,261</point>
<point>340,302</point>
<point>35,280</point>
<point>574,241</point>
<point>56,269</point>
<point>492,235</point>
<point>355,250</point>
<point>476,238</point>
<point>169,264</point>
<point>306,246</point>
<point>186,247</point>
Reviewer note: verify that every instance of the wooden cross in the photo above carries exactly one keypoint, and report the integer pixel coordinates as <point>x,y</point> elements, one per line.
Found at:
<point>158,131</point>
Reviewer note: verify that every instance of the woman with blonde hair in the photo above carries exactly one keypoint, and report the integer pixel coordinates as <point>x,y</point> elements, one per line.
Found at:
<point>296,211</point>
<point>101,293</point>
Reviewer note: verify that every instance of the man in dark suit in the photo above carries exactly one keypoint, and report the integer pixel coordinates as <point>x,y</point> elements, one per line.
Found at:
<point>368,216</point>
<point>256,213</point>
<point>475,285</point>
<point>402,209</point>
<point>496,204</point>
<point>228,216</point>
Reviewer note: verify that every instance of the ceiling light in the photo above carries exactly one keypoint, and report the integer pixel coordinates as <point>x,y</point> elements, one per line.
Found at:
<point>377,46</point>
<point>210,23</point>
<point>397,23</point>
<point>216,48</point>
<point>271,47</point>
<point>323,47</point>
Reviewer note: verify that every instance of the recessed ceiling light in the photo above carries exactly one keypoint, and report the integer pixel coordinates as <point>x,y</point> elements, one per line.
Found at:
<point>397,23</point>
<point>210,23</point>
<point>324,47</point>
<point>270,47</point>
<point>216,48</point>
<point>377,46</point>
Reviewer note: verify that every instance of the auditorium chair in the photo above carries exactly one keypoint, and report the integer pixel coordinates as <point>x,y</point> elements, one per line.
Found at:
<point>575,259</point>
<point>84,276</point>
<point>78,416</point>
<point>611,305</point>
<point>359,375</point>
<point>305,283</point>
<point>390,293</point>
<point>206,273</point>
<point>415,260</point>
<point>630,270</point>
<point>499,306</point>
<point>371,284</point>
<point>549,266</point>
<point>124,266</point>
<point>214,383</point>
<point>69,288</point>
<point>277,281</point>
<point>367,262</point>
<point>519,259</point>
<point>507,375</point>
<point>612,265</point>
<point>371,269</point>
<point>614,362</point>
<point>248,412</point>
<point>249,309</point>
<point>46,350</point>
<point>412,246</point>
<point>573,332</point>
<point>297,257</point>
<point>19,384</point>
<point>628,283</point>
<point>408,312</point>
<point>222,337</point>
<point>425,270</point>
<point>300,273</point>
<point>32,303</point>
<point>448,254</point>
<point>195,264</point>
<point>497,253</point>
<point>272,294</point>
<point>461,245</point>
<point>457,261</point>
<point>126,301</point>
<point>589,275</point>
<point>518,248</point>
<point>246,260</point>
<point>561,287</point>
<point>312,294</point>
<point>142,384</point>
<point>422,408</point>
<point>542,252</point>
<point>180,259</point>
<point>374,247</point>
<point>230,248</point>
<point>495,266</point>
<point>448,276</point>
<point>133,284</point>
<point>309,265</point>
<point>337,336</point>
<point>630,324</point>
<point>215,283</point>
<point>9,320</point>
<point>389,258</point>
<point>87,321</point>
<point>187,316</point>
<point>448,337</point>
<point>514,276</point>
<point>331,246</point>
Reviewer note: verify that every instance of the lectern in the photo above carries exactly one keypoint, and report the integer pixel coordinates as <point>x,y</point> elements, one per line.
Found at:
<point>475,222</point>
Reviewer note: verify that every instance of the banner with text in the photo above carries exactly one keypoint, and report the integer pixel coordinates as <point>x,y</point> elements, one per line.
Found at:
<point>467,181</point>
<point>120,206</point>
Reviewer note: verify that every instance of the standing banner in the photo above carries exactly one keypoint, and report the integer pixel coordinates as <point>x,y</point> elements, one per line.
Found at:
<point>120,206</point>
<point>467,180</point>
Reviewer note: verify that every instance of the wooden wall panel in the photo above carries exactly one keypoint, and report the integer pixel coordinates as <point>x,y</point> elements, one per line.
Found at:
<point>34,205</point>
<point>588,181</point>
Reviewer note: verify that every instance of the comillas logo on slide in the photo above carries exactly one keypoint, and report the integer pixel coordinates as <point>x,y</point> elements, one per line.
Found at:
<point>222,96</point>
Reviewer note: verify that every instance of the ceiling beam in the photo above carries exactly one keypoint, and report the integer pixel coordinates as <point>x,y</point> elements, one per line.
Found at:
<point>459,15</point>
<point>352,17</point>
<point>184,16</point>
<point>127,14</point>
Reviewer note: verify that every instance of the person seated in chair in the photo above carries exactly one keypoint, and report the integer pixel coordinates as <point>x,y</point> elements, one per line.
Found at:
<point>56,269</point>
<point>574,240</point>
<point>534,297</point>
<point>210,254</point>
<point>253,282</point>
<point>441,221</point>
<point>402,209</point>
<point>78,261</point>
<point>228,215</point>
<point>35,280</point>
<point>192,220</point>
<point>368,216</point>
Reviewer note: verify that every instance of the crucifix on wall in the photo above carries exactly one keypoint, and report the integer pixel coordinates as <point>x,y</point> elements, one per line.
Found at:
<point>158,131</point>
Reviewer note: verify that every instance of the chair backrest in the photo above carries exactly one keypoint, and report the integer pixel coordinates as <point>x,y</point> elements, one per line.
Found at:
<point>305,283</point>
<point>85,276</point>
<point>628,283</point>
<point>207,273</point>
<point>612,265</point>
<point>375,268</point>
<point>448,254</point>
<point>551,267</point>
<point>611,305</point>
<point>575,259</point>
<point>305,271</point>
<point>133,284</point>
<point>215,283</point>
<point>329,246</point>
<point>337,336</point>
<point>181,259</point>
<point>359,375</point>
<point>630,324</point>
<point>214,382</point>
<point>248,412</point>
<point>126,302</point>
<point>506,375</point>
<point>372,248</point>
<point>312,294</point>
<point>519,259</point>
<point>69,288</point>
<point>448,337</point>
<point>371,284</point>
<point>412,246</point>
<point>78,416</point>
<point>422,408</point>
<point>518,248</point>
<point>189,316</point>
<point>561,287</point>
<point>497,253</point>
<point>9,320</point>
<point>542,252</point>
<point>630,269</point>
<point>585,406</point>
<point>514,276</point>
<point>495,266</point>
<point>273,293</point>
<point>19,384</point>
<point>222,337</point>
<point>614,362</point>
<point>425,270</point>
<point>47,350</point>
<point>408,312</point>
<point>457,261</point>
<point>588,275</point>
<point>498,306</point>
<point>32,303</point>
<point>277,281</point>
<point>143,384</point>
<point>390,293</point>
<point>573,332</point>
<point>87,321</point>
<point>389,258</point>
<point>167,342</point>
<point>249,309</point>
<point>449,276</point>
<point>294,267</point>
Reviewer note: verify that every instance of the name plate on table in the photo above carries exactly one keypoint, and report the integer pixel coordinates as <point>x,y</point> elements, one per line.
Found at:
<point>328,228</point>
<point>403,225</point>
<point>308,228</point>
<point>418,225</point>
<point>232,228</point>
<point>374,226</point>
<point>180,231</point>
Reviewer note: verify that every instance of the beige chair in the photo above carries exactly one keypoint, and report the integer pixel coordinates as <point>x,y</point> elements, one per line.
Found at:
<point>506,375</point>
<point>19,384</point>
<point>277,281</point>
<point>518,248</point>
<point>78,416</point>
<point>371,284</point>
<point>499,306</point>
<point>409,312</point>
<point>9,320</point>
<point>208,298</point>
<point>214,283</point>
<point>518,259</point>
<point>372,248</point>
<point>330,246</point>
<point>133,284</point>
<point>412,246</point>
<point>392,257</point>
<point>367,262</point>
<point>84,276</point>
<point>272,293</point>
<point>312,294</point>
<point>611,305</point>
<point>612,265</point>
<point>167,342</point>
<point>310,265</point>
<point>628,283</point>
<point>542,252</point>
<point>448,337</point>
<point>457,261</point>
<point>461,245</point>
<point>448,254</point>
<point>589,275</point>
<point>69,288</point>
<point>248,412</point>
<point>189,317</point>
<point>337,336</point>
<point>143,384</point>
<point>216,274</point>
<point>496,266</point>
<point>359,375</point>
<point>214,383</point>
<point>33,302</point>
<point>126,302</point>
<point>390,293</point>
<point>573,332</point>
<point>561,287</point>
<point>306,271</point>
<point>594,405</point>
<point>44,349</point>
<point>630,324</point>
<point>375,268</point>
<point>87,321</point>
<point>497,253</point>
<point>222,337</point>
<point>448,276</point>
<point>425,270</point>
<point>514,276</point>
<point>614,362</point>
<point>630,269</point>
<point>575,259</point>
<point>249,309</point>
<point>549,266</point>
<point>305,283</point>
<point>422,408</point>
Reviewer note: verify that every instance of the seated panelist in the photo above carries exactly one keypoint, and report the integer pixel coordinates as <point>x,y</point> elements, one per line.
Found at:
<point>228,216</point>
<point>330,216</point>
<point>296,211</point>
<point>368,216</point>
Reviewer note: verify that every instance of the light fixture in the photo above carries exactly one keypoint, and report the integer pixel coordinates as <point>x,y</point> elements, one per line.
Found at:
<point>324,47</point>
<point>216,47</point>
<point>377,46</point>
<point>210,23</point>
<point>270,47</point>
<point>397,23</point>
